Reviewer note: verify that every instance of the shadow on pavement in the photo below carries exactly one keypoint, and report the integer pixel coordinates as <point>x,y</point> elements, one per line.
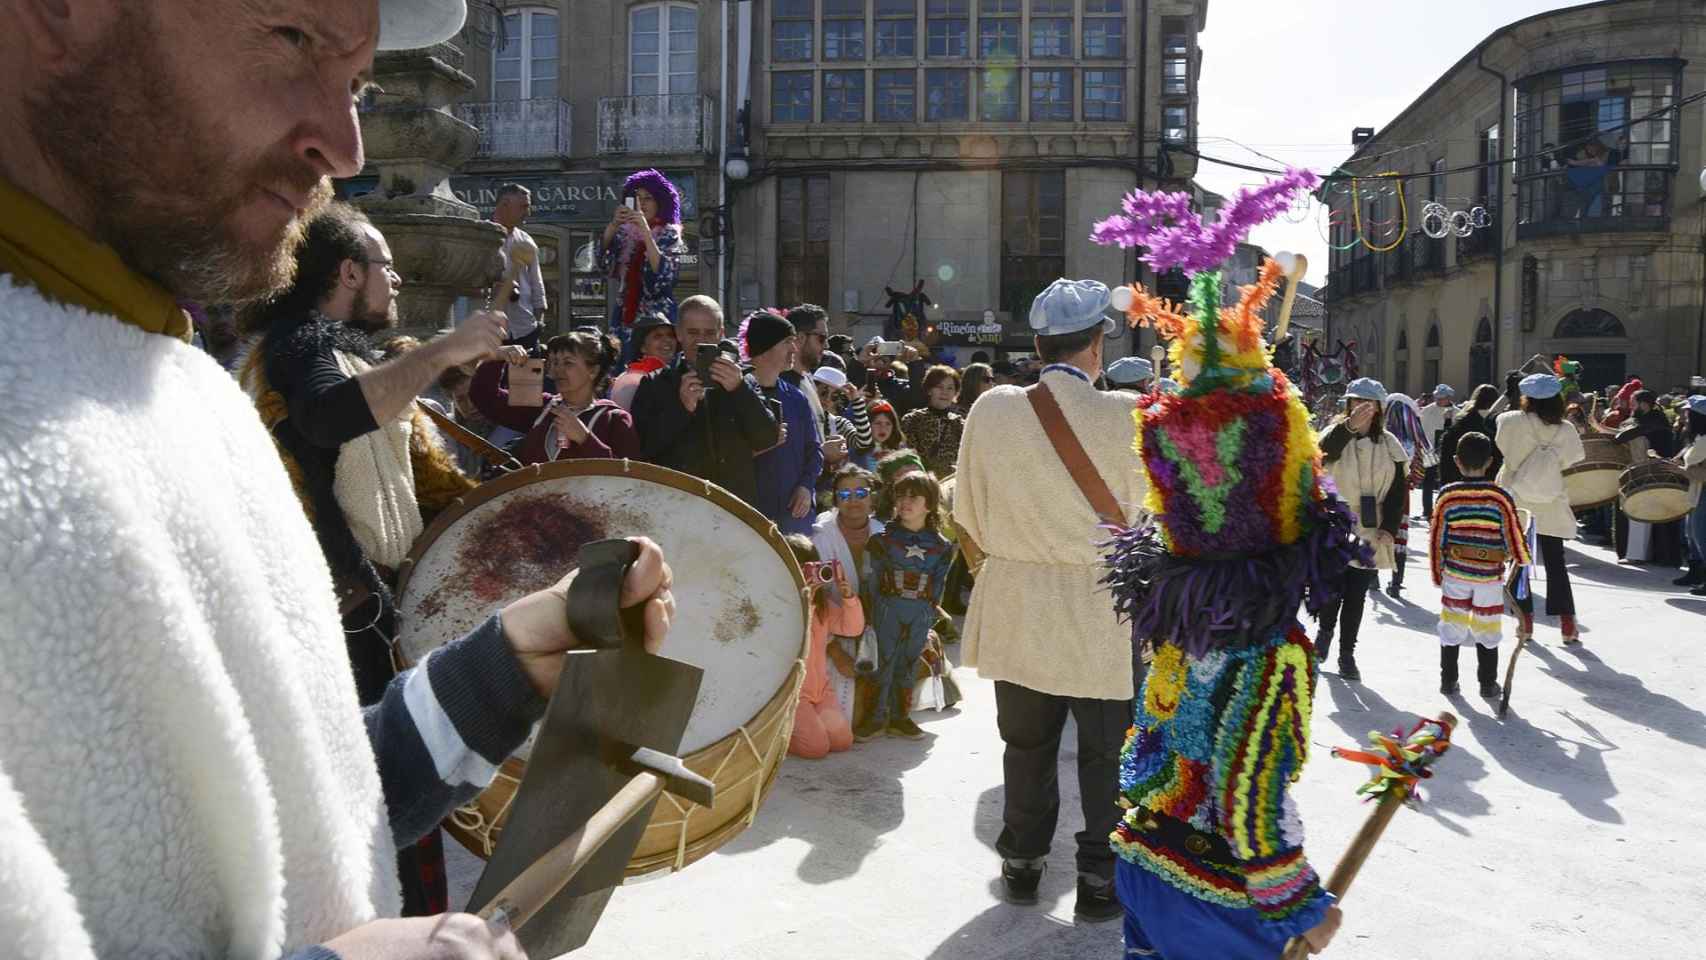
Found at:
<point>847,802</point>
<point>1624,695</point>
<point>1401,612</point>
<point>1360,710</point>
<point>1690,604</point>
<point>1008,932</point>
<point>1538,757</point>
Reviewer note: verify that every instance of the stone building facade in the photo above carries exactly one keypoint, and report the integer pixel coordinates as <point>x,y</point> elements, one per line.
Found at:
<point>967,144</point>
<point>1570,176</point>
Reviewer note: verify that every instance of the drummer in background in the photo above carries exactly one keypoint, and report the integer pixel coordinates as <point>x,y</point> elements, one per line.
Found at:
<point>572,425</point>
<point>1647,432</point>
<point>186,771</point>
<point>1539,445</point>
<point>1437,417</point>
<point>1693,460</point>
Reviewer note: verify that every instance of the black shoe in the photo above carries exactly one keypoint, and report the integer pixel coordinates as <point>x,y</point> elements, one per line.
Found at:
<point>1490,689</point>
<point>1021,882</point>
<point>904,728</point>
<point>1450,689</point>
<point>1693,578</point>
<point>1699,591</point>
<point>868,729</point>
<point>1097,902</point>
<point>1394,589</point>
<point>1348,671</point>
<point>1323,644</point>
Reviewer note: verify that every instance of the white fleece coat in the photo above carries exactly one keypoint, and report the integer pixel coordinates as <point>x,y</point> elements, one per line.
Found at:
<point>183,767</point>
<point>1540,490</point>
<point>1039,617</point>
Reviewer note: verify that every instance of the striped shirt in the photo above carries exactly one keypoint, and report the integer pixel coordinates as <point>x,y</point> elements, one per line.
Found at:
<point>1475,532</point>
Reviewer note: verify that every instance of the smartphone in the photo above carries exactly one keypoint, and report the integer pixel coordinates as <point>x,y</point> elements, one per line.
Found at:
<point>632,203</point>
<point>703,356</point>
<point>888,348</point>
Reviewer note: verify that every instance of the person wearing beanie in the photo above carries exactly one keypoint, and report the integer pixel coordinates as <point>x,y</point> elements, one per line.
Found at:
<point>787,473</point>
<point>1211,858</point>
<point>1539,444</point>
<point>1371,470</point>
<point>1038,624</point>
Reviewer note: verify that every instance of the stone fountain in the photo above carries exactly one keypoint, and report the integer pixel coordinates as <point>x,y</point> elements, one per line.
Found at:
<point>442,247</point>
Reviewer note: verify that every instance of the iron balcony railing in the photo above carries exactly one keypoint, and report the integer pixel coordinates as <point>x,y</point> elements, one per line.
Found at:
<point>517,129</point>
<point>1625,197</point>
<point>679,123</point>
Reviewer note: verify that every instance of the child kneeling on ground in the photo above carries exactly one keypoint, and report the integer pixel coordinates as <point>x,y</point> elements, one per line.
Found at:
<point>1475,532</point>
<point>820,726</point>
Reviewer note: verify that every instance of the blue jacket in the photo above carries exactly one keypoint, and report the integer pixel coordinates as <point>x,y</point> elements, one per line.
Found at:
<point>795,464</point>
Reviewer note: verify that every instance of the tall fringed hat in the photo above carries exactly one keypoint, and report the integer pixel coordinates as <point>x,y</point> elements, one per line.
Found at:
<point>1243,523</point>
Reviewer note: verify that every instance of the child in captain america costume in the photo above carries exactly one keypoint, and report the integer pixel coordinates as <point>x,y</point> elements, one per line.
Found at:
<point>909,572</point>
<point>1245,528</point>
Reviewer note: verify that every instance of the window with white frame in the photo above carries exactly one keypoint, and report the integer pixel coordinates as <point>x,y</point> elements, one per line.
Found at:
<point>525,67</point>
<point>663,49</point>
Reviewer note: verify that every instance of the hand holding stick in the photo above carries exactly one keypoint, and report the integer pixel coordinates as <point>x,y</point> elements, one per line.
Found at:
<point>1399,765</point>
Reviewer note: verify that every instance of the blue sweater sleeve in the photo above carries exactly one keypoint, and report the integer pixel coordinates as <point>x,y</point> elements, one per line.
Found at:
<point>811,451</point>
<point>437,737</point>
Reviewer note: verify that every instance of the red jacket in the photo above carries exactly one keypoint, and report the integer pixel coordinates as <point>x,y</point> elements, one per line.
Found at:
<point>611,428</point>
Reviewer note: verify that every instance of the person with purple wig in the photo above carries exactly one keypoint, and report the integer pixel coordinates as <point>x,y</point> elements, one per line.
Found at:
<point>641,252</point>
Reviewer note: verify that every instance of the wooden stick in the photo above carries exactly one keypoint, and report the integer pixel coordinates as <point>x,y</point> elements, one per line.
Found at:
<point>1345,871</point>
<point>488,451</point>
<point>1510,673</point>
<point>1299,266</point>
<point>528,893</point>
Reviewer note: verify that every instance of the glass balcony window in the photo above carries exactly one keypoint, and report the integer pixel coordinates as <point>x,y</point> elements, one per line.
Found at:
<point>1051,95</point>
<point>791,97</point>
<point>998,95</point>
<point>896,95</point>
<point>947,95</point>
<point>843,96</point>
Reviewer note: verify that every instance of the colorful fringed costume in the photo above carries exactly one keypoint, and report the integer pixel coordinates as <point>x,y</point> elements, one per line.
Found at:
<point>1245,530</point>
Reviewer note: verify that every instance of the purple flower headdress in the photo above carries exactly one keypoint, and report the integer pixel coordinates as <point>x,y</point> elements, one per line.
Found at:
<point>1175,235</point>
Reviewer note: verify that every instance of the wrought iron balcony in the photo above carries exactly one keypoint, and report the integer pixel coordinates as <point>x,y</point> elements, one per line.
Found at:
<point>517,129</point>
<point>679,124</point>
<point>1608,199</point>
<point>1482,243</point>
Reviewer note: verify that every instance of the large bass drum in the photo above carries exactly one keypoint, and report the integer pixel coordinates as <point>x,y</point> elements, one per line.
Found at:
<point>741,615</point>
<point>1593,482</point>
<point>1655,492</point>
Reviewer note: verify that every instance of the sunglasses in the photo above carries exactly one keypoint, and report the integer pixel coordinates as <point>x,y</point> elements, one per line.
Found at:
<point>857,493</point>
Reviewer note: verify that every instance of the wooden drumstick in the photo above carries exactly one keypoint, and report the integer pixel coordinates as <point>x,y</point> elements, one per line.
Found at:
<point>535,887</point>
<point>1295,266</point>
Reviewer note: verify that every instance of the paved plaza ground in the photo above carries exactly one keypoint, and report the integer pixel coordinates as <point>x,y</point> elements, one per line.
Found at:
<point>1575,828</point>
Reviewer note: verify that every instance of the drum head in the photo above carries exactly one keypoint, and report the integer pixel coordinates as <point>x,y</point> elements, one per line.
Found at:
<point>740,614</point>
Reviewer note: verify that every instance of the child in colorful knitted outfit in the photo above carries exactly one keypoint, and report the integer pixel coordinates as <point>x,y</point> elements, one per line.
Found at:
<point>1475,532</point>
<point>909,569</point>
<point>1246,529</point>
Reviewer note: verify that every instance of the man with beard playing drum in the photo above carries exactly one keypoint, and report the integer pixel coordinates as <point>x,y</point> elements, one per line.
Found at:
<point>185,770</point>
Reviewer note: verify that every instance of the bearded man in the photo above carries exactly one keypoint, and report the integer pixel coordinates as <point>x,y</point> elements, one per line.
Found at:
<point>184,768</point>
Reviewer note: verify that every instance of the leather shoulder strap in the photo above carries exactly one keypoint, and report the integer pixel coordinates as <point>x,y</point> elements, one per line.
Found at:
<point>1072,455</point>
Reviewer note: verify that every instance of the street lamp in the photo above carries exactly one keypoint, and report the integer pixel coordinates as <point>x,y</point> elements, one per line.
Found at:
<point>737,168</point>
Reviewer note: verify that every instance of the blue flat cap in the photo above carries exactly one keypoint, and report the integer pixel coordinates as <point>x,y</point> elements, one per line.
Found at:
<point>1130,371</point>
<point>1697,403</point>
<point>1445,390</point>
<point>1366,388</point>
<point>1540,386</point>
<point>1068,306</point>
<point>1168,385</point>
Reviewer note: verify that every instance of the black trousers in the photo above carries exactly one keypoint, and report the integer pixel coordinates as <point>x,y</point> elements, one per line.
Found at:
<point>1031,724</point>
<point>1347,610</point>
<point>1486,664</point>
<point>1430,483</point>
<point>1560,600</point>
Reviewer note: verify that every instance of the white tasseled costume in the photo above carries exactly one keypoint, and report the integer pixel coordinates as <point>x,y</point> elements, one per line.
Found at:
<point>183,767</point>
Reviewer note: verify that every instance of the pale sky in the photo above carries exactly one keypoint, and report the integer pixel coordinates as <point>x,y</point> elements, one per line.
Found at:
<point>1292,79</point>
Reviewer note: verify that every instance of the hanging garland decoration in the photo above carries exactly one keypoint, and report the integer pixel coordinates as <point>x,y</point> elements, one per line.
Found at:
<point>1403,214</point>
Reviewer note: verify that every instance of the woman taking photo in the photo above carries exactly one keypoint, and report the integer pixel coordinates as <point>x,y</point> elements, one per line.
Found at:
<point>1371,470</point>
<point>571,425</point>
<point>1538,444</point>
<point>640,253</point>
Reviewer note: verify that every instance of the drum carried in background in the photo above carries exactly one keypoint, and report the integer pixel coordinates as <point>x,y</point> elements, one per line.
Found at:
<point>741,615</point>
<point>1655,492</point>
<point>1594,481</point>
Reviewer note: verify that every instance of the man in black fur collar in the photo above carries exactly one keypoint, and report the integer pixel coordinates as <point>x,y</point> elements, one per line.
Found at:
<point>367,466</point>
